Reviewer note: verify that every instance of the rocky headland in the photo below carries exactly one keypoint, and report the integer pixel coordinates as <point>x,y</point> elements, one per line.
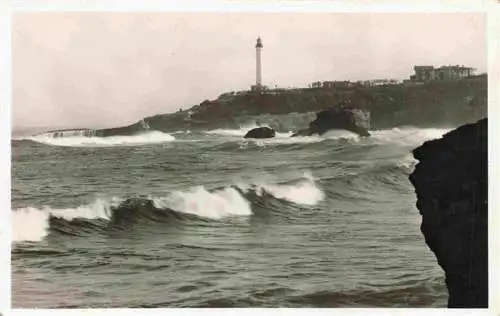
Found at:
<point>432,104</point>
<point>451,184</point>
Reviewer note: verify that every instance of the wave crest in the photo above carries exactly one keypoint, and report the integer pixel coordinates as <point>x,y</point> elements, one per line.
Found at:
<point>34,224</point>
<point>199,201</point>
<point>407,136</point>
<point>304,192</point>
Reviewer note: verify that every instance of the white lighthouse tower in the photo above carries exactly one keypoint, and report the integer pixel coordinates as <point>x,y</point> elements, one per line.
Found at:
<point>258,50</point>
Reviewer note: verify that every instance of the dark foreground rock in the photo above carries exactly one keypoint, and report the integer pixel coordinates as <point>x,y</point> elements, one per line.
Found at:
<point>261,132</point>
<point>335,118</point>
<point>451,183</point>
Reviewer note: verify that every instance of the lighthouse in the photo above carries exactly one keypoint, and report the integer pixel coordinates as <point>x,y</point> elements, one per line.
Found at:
<point>258,50</point>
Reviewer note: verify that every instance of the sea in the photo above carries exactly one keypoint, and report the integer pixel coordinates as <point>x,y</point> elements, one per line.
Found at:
<point>209,219</point>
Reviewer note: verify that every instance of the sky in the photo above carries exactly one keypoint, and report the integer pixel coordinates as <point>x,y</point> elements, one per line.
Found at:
<point>105,69</point>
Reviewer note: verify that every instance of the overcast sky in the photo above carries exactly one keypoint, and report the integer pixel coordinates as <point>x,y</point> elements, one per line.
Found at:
<point>109,69</point>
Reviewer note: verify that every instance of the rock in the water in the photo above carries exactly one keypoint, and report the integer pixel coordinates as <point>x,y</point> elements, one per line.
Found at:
<point>337,117</point>
<point>451,182</point>
<point>261,132</point>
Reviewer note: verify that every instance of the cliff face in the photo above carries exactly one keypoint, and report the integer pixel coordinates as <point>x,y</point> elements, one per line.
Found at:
<point>451,183</point>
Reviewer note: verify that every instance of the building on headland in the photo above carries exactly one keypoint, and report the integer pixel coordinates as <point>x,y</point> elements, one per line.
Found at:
<point>379,82</point>
<point>316,84</point>
<point>330,84</point>
<point>423,74</point>
<point>443,73</point>
<point>348,84</point>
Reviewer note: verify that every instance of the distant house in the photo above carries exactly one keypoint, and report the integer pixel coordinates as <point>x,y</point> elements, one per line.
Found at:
<point>379,82</point>
<point>330,84</point>
<point>424,73</point>
<point>316,84</point>
<point>259,88</point>
<point>443,73</point>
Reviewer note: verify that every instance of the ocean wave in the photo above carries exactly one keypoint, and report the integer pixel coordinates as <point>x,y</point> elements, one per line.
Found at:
<point>302,192</point>
<point>152,137</point>
<point>407,163</point>
<point>400,136</point>
<point>419,293</point>
<point>236,135</point>
<point>33,224</point>
<point>423,292</point>
<point>406,136</point>
<point>201,202</point>
<point>198,203</point>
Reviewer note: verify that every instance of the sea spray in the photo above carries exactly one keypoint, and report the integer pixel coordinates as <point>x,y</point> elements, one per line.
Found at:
<point>29,224</point>
<point>406,136</point>
<point>304,192</point>
<point>199,201</point>
<point>32,224</point>
<point>245,128</point>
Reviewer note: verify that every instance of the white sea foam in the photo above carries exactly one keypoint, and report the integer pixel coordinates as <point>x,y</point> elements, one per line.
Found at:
<point>407,136</point>
<point>31,224</point>
<point>408,162</point>
<point>227,132</point>
<point>93,141</point>
<point>230,132</point>
<point>240,132</point>
<point>303,192</point>
<point>341,134</point>
<point>286,138</point>
<point>199,201</point>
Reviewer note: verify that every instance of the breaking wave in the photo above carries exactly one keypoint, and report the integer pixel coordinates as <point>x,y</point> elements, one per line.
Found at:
<point>404,136</point>
<point>302,192</point>
<point>82,140</point>
<point>33,224</point>
<point>401,136</point>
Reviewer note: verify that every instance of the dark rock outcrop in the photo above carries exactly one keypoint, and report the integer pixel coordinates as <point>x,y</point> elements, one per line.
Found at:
<point>261,132</point>
<point>451,183</point>
<point>338,117</point>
